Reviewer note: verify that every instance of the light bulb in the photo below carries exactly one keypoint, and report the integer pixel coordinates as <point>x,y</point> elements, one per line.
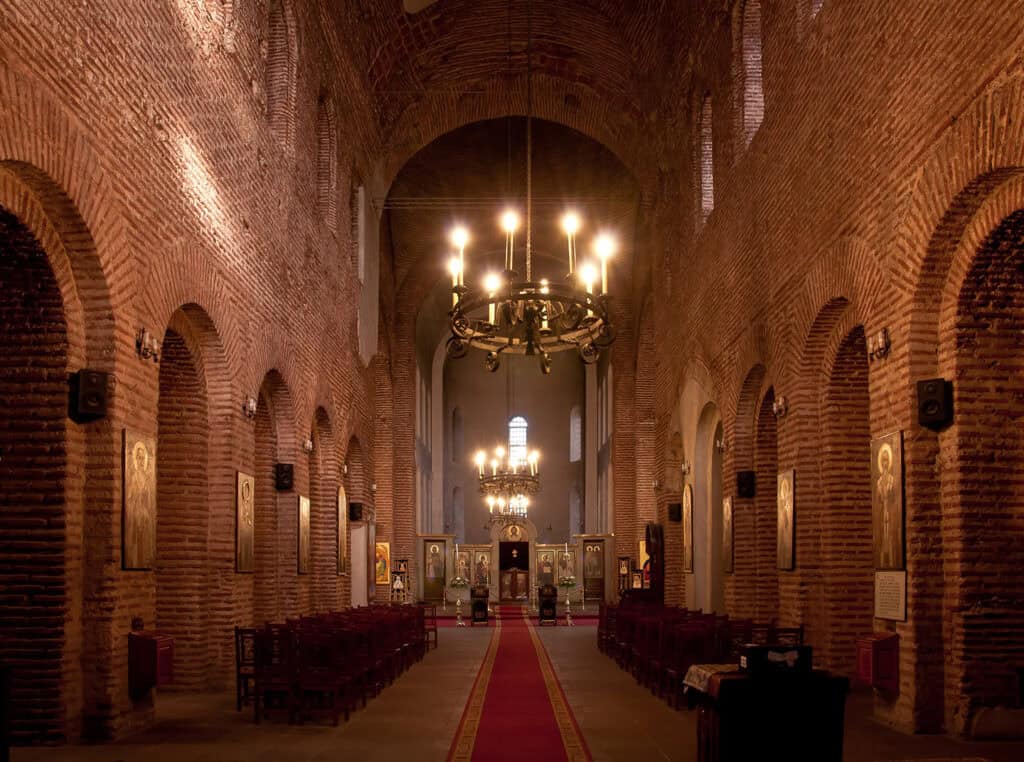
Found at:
<point>454,266</point>
<point>544,289</point>
<point>492,282</point>
<point>588,274</point>
<point>570,223</point>
<point>480,458</point>
<point>499,451</point>
<point>605,245</point>
<point>510,221</point>
<point>460,237</point>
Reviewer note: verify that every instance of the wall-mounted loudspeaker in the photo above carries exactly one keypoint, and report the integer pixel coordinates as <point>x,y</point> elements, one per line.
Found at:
<point>284,476</point>
<point>87,400</point>
<point>675,511</point>
<point>355,511</point>
<point>746,483</point>
<point>935,403</point>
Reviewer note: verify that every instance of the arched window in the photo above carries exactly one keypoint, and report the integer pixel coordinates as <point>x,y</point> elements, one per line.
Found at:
<point>327,163</point>
<point>280,72</point>
<point>575,434</point>
<point>705,159</point>
<point>750,58</point>
<point>357,211</point>
<point>517,439</point>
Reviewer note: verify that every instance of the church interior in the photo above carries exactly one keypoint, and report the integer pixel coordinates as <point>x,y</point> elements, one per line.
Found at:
<point>723,461</point>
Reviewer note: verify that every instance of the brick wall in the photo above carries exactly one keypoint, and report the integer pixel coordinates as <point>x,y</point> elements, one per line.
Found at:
<point>33,345</point>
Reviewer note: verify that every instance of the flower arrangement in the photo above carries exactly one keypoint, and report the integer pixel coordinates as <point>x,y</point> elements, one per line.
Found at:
<point>567,581</point>
<point>458,582</point>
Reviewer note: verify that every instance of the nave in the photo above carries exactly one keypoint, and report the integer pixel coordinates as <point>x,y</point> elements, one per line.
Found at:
<point>418,718</point>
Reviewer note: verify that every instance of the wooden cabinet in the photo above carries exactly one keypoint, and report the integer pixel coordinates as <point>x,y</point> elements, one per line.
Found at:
<point>150,661</point>
<point>878,661</point>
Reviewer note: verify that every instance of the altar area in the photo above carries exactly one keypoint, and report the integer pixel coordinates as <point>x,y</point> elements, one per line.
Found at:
<point>514,564</point>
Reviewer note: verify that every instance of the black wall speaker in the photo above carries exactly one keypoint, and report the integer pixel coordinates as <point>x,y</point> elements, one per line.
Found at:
<point>675,511</point>
<point>935,403</point>
<point>284,476</point>
<point>87,400</point>
<point>355,511</point>
<point>746,483</point>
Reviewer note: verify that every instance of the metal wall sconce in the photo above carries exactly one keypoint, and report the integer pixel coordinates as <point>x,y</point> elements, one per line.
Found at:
<point>720,444</point>
<point>686,467</point>
<point>373,487</point>
<point>656,484</point>
<point>147,346</point>
<point>307,445</point>
<point>344,469</point>
<point>249,407</point>
<point>780,406</point>
<point>879,345</point>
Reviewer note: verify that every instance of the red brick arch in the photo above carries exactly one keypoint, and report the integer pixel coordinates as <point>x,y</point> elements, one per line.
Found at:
<point>968,183</point>
<point>325,478</point>
<point>274,537</point>
<point>69,250</point>
<point>41,497</point>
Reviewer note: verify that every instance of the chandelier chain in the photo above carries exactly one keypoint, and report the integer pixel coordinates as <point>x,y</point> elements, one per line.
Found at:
<point>529,140</point>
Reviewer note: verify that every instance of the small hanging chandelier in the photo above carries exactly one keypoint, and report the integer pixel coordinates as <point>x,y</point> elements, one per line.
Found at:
<point>507,483</point>
<point>510,314</point>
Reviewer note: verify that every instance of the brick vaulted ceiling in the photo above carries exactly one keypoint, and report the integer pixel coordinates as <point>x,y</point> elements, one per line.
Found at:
<point>594,64</point>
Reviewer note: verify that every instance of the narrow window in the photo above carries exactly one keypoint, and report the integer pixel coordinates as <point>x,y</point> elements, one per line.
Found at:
<point>575,435</point>
<point>326,164</point>
<point>753,91</point>
<point>517,439</point>
<point>706,164</point>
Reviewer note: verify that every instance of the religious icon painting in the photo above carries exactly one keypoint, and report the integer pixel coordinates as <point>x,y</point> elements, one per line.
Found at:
<point>434,576</point>
<point>687,528</point>
<point>303,549</point>
<point>786,502</point>
<point>462,561</point>
<point>342,523</point>
<point>887,501</point>
<point>727,538</point>
<point>382,563</point>
<point>482,568</point>
<point>245,513</point>
<point>138,519</point>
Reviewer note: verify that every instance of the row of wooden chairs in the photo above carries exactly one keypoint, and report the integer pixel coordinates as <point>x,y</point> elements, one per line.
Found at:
<point>658,644</point>
<point>325,665</point>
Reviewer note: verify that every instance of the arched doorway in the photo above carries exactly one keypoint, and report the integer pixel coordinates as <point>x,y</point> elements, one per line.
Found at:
<point>708,592</point>
<point>361,533</point>
<point>983,496</point>
<point>33,521</point>
<point>273,437</point>
<point>325,515</point>
<point>182,525</point>
<point>766,467</point>
<point>846,515</point>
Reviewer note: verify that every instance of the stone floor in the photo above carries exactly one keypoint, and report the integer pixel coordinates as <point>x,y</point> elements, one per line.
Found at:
<point>415,719</point>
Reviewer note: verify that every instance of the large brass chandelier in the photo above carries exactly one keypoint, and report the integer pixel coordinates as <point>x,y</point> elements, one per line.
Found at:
<point>507,482</point>
<point>507,313</point>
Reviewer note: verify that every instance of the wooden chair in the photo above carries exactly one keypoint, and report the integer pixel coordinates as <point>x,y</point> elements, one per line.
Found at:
<point>788,636</point>
<point>274,671</point>
<point>429,623</point>
<point>245,665</point>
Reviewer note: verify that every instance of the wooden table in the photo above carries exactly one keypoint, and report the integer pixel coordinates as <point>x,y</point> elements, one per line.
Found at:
<point>779,716</point>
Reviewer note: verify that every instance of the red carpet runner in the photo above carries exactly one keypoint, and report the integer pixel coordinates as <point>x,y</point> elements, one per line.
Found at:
<point>516,710</point>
